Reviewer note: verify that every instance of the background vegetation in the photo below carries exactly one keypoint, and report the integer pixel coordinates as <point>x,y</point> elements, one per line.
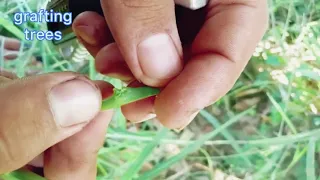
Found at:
<point>266,127</point>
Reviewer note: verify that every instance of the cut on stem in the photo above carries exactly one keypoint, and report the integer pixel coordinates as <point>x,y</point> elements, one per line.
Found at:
<point>128,95</point>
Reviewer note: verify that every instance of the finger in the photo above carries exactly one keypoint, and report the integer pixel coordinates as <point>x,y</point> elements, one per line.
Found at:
<point>139,111</point>
<point>106,90</point>
<point>10,55</point>
<point>110,62</point>
<point>37,161</point>
<point>219,54</point>
<point>76,157</point>
<point>8,74</point>
<point>42,110</point>
<point>10,43</point>
<point>147,36</point>
<point>92,31</point>
<point>4,79</point>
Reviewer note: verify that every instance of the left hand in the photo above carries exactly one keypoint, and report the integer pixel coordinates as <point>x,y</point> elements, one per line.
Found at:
<point>56,115</point>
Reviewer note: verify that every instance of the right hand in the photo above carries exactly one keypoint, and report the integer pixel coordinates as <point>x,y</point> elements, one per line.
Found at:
<point>195,57</point>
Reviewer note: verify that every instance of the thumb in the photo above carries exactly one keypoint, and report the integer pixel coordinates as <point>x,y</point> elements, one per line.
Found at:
<point>40,111</point>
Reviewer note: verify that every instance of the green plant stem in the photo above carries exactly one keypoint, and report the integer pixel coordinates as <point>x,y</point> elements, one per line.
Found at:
<point>127,95</point>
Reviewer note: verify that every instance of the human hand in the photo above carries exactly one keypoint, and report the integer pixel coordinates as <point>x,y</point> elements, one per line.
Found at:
<point>56,115</point>
<point>194,56</point>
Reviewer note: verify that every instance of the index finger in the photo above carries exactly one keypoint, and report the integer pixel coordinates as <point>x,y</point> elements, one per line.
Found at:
<point>220,52</point>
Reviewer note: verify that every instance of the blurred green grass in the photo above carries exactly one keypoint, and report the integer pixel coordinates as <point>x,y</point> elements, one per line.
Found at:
<point>266,127</point>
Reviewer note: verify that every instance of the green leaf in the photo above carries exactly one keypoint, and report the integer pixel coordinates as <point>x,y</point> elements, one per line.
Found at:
<point>216,124</point>
<point>142,158</point>
<point>310,74</point>
<point>191,148</point>
<point>307,71</point>
<point>310,167</point>
<point>128,95</point>
<point>120,119</point>
<point>282,113</point>
<point>12,28</point>
<point>274,61</point>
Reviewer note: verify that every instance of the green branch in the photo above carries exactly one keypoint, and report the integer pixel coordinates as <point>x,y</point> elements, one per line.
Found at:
<point>127,95</point>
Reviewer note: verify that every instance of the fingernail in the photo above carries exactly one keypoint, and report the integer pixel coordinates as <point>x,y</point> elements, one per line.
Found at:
<point>158,57</point>
<point>146,118</point>
<point>74,102</point>
<point>37,161</point>
<point>87,34</point>
<point>189,120</point>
